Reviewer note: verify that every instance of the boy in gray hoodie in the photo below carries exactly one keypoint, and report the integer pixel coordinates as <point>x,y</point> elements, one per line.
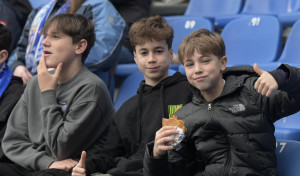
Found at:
<point>61,113</point>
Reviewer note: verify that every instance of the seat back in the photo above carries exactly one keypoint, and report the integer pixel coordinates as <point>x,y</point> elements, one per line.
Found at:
<point>37,3</point>
<point>183,26</point>
<point>252,39</point>
<point>130,86</point>
<point>268,7</point>
<point>288,157</point>
<point>291,51</point>
<point>213,8</point>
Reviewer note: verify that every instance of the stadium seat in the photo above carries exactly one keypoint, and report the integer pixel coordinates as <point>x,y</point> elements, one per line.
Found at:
<point>288,157</point>
<point>130,86</point>
<point>37,3</point>
<point>184,25</point>
<point>261,7</point>
<point>290,54</point>
<point>288,127</point>
<point>181,69</point>
<point>292,14</point>
<point>252,40</point>
<point>213,8</point>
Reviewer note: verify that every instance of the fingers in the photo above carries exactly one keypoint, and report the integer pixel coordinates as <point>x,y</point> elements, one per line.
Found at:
<point>81,163</point>
<point>42,64</point>
<point>58,70</point>
<point>257,69</point>
<point>161,138</point>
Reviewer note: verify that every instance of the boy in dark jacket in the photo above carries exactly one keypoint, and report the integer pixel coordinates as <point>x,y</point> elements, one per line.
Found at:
<point>138,119</point>
<point>11,87</point>
<point>229,123</point>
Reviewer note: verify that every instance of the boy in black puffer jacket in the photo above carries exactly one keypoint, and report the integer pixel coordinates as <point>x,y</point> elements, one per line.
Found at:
<point>229,123</point>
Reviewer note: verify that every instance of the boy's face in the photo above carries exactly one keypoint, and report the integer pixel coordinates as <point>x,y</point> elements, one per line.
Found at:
<point>205,72</point>
<point>58,48</point>
<point>153,59</point>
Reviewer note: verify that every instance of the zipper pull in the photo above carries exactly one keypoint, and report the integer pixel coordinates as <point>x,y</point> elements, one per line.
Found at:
<point>209,106</point>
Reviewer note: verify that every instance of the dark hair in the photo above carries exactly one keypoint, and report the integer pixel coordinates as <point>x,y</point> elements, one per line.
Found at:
<point>149,28</point>
<point>75,26</point>
<point>203,41</point>
<point>5,38</point>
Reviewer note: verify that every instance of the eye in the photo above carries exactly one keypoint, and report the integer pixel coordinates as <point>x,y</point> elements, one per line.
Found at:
<point>159,51</point>
<point>189,64</point>
<point>144,53</point>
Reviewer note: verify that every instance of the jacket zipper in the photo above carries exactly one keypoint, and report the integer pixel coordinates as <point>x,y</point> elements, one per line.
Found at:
<point>209,106</point>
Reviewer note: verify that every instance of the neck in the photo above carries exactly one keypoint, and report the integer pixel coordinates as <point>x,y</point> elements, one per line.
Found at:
<point>215,92</point>
<point>69,70</point>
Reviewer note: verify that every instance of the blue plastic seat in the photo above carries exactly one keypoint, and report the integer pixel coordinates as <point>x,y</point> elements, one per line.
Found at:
<point>288,157</point>
<point>288,127</point>
<point>130,86</point>
<point>37,3</point>
<point>290,54</point>
<point>213,8</point>
<point>184,25</point>
<point>252,40</point>
<point>260,7</point>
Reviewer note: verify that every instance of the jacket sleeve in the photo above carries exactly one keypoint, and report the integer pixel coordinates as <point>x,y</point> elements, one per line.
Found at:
<point>23,42</point>
<point>83,124</point>
<point>17,145</point>
<point>112,148</point>
<point>285,101</point>
<point>174,163</point>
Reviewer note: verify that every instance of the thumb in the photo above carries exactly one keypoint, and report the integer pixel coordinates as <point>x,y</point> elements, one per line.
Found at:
<point>81,163</point>
<point>257,69</point>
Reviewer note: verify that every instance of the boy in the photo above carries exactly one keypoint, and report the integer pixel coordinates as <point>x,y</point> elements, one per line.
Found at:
<point>158,97</point>
<point>229,123</point>
<point>59,114</point>
<point>11,87</point>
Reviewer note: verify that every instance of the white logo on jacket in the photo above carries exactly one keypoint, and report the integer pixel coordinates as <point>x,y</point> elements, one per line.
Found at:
<point>237,108</point>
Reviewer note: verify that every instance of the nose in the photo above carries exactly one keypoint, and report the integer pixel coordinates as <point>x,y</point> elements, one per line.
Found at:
<point>151,58</point>
<point>198,68</point>
<point>45,42</point>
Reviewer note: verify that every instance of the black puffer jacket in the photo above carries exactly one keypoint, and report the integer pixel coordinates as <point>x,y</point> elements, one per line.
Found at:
<point>234,134</point>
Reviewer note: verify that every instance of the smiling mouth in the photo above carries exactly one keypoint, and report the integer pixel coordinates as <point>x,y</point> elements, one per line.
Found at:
<point>200,78</point>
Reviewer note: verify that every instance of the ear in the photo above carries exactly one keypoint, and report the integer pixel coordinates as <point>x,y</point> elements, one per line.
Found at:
<point>134,56</point>
<point>172,54</point>
<point>3,56</point>
<point>81,46</point>
<point>223,63</point>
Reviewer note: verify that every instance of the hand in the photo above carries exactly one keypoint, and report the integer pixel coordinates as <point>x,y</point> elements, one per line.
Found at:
<point>65,165</point>
<point>79,169</point>
<point>265,84</point>
<point>47,81</point>
<point>22,71</point>
<point>162,136</point>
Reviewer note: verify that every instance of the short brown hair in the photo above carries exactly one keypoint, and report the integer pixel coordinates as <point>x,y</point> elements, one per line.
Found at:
<point>203,41</point>
<point>149,28</point>
<point>5,38</point>
<point>75,26</point>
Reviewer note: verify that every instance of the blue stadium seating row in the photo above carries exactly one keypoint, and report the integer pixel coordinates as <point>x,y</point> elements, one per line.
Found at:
<point>221,12</point>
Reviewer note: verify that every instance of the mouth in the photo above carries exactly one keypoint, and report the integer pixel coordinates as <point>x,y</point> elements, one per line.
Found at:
<point>47,53</point>
<point>152,68</point>
<point>200,78</point>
